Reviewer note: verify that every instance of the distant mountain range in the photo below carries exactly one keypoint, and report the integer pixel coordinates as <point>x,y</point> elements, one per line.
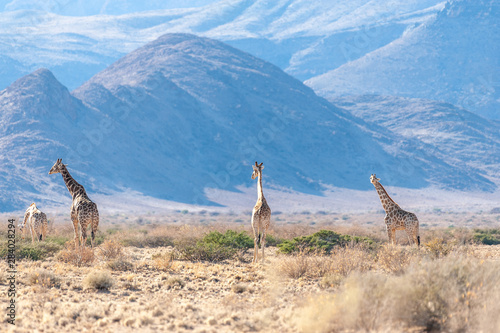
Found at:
<point>184,114</point>
<point>304,38</point>
<point>453,57</point>
<point>456,135</point>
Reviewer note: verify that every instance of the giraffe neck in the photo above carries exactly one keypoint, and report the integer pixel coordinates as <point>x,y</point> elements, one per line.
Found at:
<point>73,187</point>
<point>260,193</point>
<point>385,199</point>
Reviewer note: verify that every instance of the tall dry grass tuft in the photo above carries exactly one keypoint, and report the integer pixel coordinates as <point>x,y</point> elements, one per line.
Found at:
<point>295,266</point>
<point>164,261</point>
<point>43,278</point>
<point>455,294</point>
<point>98,280</point>
<point>439,247</point>
<point>83,256</point>
<point>395,259</point>
<point>110,249</point>
<point>340,263</point>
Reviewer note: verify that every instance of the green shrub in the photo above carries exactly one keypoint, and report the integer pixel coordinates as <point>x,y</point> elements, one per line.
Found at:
<point>321,241</point>
<point>98,239</point>
<point>28,250</point>
<point>230,239</point>
<point>216,246</point>
<point>61,240</point>
<point>201,251</point>
<point>273,241</point>
<point>487,237</point>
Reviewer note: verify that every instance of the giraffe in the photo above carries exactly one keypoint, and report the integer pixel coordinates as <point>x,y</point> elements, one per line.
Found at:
<point>261,215</point>
<point>83,210</point>
<point>37,223</point>
<point>396,218</point>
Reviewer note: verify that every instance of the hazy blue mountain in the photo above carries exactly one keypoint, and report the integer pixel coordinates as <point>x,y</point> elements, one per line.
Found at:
<point>302,37</point>
<point>184,114</point>
<point>462,138</point>
<point>453,58</point>
<point>39,121</point>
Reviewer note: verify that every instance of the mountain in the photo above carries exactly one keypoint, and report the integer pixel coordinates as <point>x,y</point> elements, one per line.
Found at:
<point>453,58</point>
<point>209,111</point>
<point>185,114</point>
<point>462,138</point>
<point>39,121</point>
<point>301,37</point>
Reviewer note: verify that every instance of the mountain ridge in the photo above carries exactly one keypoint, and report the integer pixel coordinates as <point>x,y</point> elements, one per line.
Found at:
<point>186,114</point>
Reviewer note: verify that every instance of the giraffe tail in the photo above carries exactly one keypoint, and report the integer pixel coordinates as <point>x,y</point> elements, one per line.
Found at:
<point>258,239</point>
<point>418,240</point>
<point>40,238</point>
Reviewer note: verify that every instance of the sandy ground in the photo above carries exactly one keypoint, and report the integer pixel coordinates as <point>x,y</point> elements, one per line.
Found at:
<point>196,297</point>
<point>232,296</point>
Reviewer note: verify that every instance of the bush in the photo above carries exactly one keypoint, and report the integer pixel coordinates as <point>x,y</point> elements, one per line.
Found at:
<point>58,239</point>
<point>98,280</point>
<point>84,256</point>
<point>487,237</point>
<point>438,247</point>
<point>214,246</point>
<point>394,259</point>
<point>452,294</point>
<point>120,265</point>
<point>44,278</point>
<point>272,240</point>
<point>295,266</point>
<point>110,249</point>
<point>322,241</point>
<point>175,283</point>
<point>163,261</point>
<point>28,250</point>
<point>230,239</point>
<point>201,251</point>
<point>99,238</point>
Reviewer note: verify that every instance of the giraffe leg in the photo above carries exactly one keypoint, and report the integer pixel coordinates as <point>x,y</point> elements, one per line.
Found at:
<point>32,233</point>
<point>45,226</point>
<point>255,240</point>
<point>263,243</point>
<point>75,228</point>
<point>84,234</point>
<point>389,235</point>
<point>93,226</point>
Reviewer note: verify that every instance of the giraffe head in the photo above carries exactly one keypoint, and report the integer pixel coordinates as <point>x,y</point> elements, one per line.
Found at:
<point>373,179</point>
<point>57,167</point>
<point>257,169</point>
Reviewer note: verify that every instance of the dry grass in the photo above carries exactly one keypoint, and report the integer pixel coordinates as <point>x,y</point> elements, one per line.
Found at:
<point>120,264</point>
<point>455,294</point>
<point>43,278</point>
<point>110,249</point>
<point>164,261</point>
<point>449,284</point>
<point>83,256</point>
<point>98,280</point>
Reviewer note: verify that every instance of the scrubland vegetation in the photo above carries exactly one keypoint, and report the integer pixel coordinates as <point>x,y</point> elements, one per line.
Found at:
<point>323,273</point>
